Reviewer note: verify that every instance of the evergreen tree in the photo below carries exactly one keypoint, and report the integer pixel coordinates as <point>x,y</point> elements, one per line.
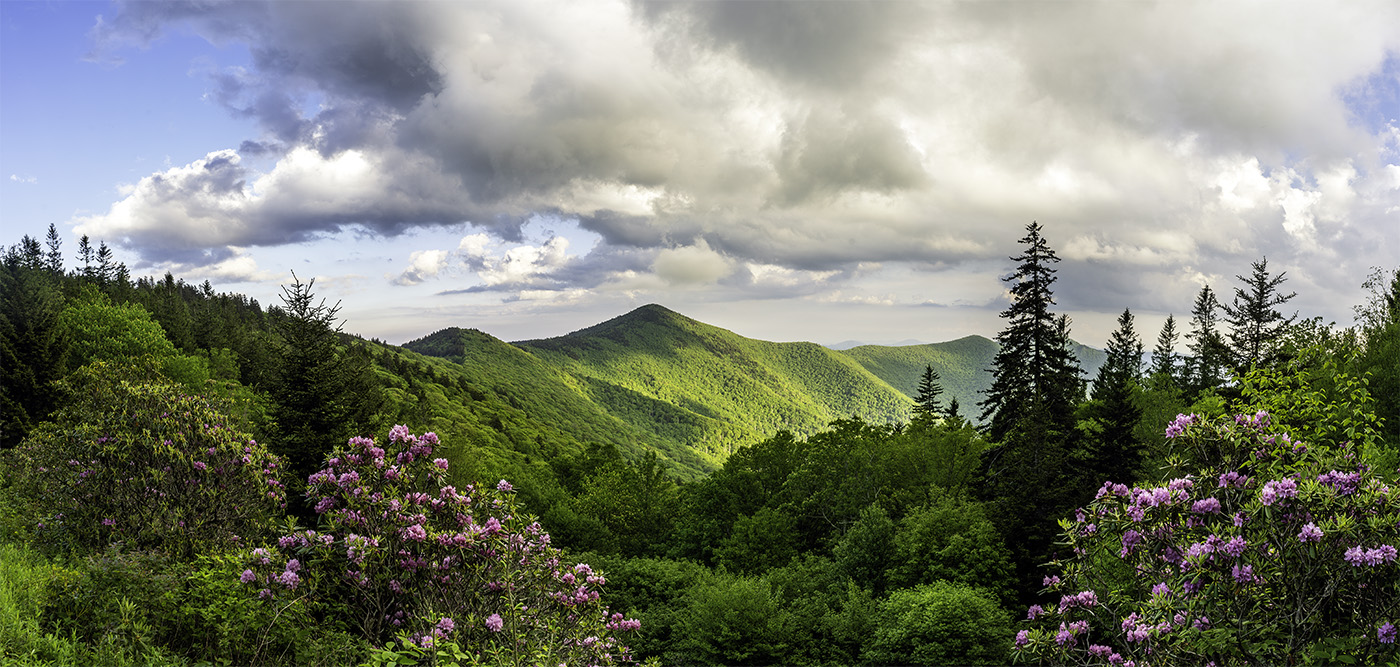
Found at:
<point>54,258</point>
<point>32,342</point>
<point>953,419</point>
<point>106,269</point>
<point>926,404</point>
<point>1164,357</point>
<point>314,403</point>
<point>1207,365</point>
<point>1033,366</point>
<point>1119,454</point>
<point>1256,325</point>
<point>1036,383</point>
<point>85,255</point>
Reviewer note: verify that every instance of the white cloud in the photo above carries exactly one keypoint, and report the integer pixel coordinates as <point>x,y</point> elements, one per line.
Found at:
<point>422,265</point>
<point>27,180</point>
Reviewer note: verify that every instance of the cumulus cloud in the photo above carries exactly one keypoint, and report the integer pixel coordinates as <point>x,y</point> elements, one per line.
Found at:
<point>1163,141</point>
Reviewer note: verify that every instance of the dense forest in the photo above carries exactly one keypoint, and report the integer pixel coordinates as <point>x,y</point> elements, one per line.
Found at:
<point>192,477</point>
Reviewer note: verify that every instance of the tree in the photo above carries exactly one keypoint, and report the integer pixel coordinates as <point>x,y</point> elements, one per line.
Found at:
<point>314,400</point>
<point>33,345</point>
<point>1164,357</point>
<point>85,255</point>
<point>1119,454</point>
<point>1030,406</point>
<point>1209,356</point>
<point>106,269</point>
<point>54,258</point>
<point>1031,366</point>
<point>939,624</point>
<point>926,403</point>
<point>1256,325</point>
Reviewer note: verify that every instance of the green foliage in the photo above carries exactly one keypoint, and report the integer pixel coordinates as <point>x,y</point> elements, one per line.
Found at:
<point>767,539</point>
<point>101,331</point>
<point>951,540</point>
<point>33,588</point>
<point>1257,328</point>
<point>731,620</point>
<point>33,343</point>
<point>939,624</point>
<point>865,551</point>
<point>135,460</point>
<point>725,384</point>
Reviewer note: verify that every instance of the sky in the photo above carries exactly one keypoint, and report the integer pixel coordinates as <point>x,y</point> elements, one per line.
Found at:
<point>819,171</point>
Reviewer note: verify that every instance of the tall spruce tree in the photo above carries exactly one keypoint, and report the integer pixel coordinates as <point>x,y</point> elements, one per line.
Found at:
<point>1118,453</point>
<point>1256,326</point>
<point>926,405</point>
<point>1033,366</point>
<point>313,405</point>
<point>1165,371</point>
<point>1029,410</point>
<point>54,257</point>
<point>1209,361</point>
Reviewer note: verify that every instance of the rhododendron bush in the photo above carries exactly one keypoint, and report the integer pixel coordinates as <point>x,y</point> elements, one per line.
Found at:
<point>137,461</point>
<point>407,554</point>
<point>1269,551</point>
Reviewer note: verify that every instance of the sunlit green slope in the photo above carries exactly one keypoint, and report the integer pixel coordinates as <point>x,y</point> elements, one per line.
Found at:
<point>962,366</point>
<point>724,390</point>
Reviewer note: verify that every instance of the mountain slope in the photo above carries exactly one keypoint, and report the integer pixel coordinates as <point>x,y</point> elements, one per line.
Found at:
<point>549,396</point>
<point>962,366</point>
<point>730,390</point>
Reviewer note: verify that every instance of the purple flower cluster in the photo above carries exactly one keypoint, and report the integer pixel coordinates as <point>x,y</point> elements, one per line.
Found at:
<point>1178,425</point>
<point>1359,556</point>
<point>1274,490</point>
<point>1310,533</point>
<point>1344,482</point>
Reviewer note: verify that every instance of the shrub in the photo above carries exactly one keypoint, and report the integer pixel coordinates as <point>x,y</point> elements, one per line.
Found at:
<point>403,553</point>
<point>137,461</point>
<point>1271,551</point>
<point>939,624</point>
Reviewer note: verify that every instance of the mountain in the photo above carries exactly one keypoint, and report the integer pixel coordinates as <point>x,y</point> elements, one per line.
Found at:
<point>962,366</point>
<point>655,380</point>
<point>712,388</point>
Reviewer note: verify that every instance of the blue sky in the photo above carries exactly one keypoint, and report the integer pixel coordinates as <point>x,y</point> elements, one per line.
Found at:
<point>790,171</point>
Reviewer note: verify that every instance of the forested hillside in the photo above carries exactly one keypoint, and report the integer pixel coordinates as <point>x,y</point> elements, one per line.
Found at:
<point>718,389</point>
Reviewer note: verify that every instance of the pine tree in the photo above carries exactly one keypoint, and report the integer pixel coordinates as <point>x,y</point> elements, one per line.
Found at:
<point>106,270</point>
<point>926,404</point>
<point>318,398</point>
<point>1164,356</point>
<point>1256,326</point>
<point>1207,365</point>
<point>85,255</point>
<point>1119,454</point>
<point>54,258</point>
<point>1033,366</point>
<point>32,342</point>
<point>1029,409</point>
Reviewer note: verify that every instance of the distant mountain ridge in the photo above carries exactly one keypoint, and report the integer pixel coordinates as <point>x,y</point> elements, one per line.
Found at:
<point>695,392</point>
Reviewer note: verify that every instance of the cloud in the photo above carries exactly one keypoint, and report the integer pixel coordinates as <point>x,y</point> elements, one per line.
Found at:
<point>1161,140</point>
<point>27,180</point>
<point>422,265</point>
